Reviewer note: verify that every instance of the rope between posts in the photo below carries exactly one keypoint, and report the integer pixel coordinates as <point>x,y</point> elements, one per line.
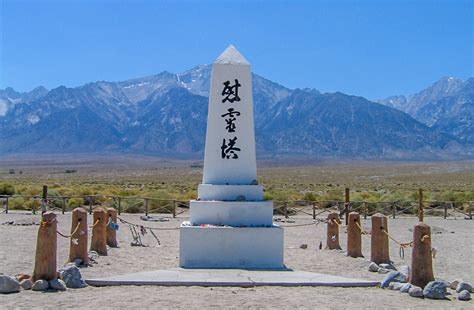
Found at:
<point>424,238</point>
<point>146,227</point>
<point>404,245</point>
<point>95,224</point>
<point>362,231</point>
<point>335,222</point>
<point>72,234</point>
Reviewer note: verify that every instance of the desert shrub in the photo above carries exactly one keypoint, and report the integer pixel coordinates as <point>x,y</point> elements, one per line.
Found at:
<point>75,202</point>
<point>162,202</point>
<point>17,203</point>
<point>7,189</point>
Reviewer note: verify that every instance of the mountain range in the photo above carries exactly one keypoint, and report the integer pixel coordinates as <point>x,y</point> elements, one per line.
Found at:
<point>165,114</point>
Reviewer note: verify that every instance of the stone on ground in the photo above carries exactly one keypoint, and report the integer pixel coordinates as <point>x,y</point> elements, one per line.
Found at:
<point>78,262</point>
<point>71,275</point>
<point>383,270</point>
<point>463,286</point>
<point>26,284</point>
<point>40,285</point>
<point>396,286</point>
<point>8,285</point>
<point>393,276</point>
<point>405,288</point>
<point>387,266</point>
<point>57,284</point>
<point>464,295</point>
<point>454,284</point>
<point>415,291</point>
<point>435,290</point>
<point>373,267</point>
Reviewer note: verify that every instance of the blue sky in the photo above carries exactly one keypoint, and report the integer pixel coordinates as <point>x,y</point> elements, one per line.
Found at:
<point>368,48</point>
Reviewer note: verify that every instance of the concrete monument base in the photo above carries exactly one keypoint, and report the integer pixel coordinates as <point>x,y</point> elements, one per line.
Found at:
<point>231,247</point>
<point>231,213</point>
<point>230,277</point>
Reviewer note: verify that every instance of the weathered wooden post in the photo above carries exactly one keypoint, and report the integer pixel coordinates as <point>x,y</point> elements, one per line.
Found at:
<point>120,205</point>
<point>174,208</point>
<point>470,210</point>
<point>420,205</point>
<point>347,204</point>
<point>445,210</point>
<point>354,236</point>
<point>421,259</point>
<point>365,210</point>
<point>379,241</point>
<point>44,201</point>
<point>6,205</point>
<point>64,204</point>
<point>111,232</point>
<point>285,209</point>
<point>78,242</point>
<point>46,246</point>
<point>314,211</point>
<point>332,242</point>
<point>99,241</point>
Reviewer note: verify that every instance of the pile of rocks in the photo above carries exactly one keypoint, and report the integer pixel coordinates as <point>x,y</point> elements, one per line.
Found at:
<point>398,280</point>
<point>69,277</point>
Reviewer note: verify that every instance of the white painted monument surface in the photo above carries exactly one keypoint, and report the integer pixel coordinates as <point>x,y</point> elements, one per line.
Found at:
<point>230,225</point>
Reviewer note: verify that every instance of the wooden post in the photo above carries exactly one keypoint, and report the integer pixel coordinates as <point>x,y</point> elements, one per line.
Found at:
<point>46,249</point>
<point>365,210</point>
<point>445,210</point>
<point>286,209</point>
<point>34,205</point>
<point>79,250</point>
<point>332,242</point>
<point>146,206</point>
<point>421,259</point>
<point>379,241</point>
<point>347,204</point>
<point>99,242</point>
<point>174,208</point>
<point>120,205</point>
<point>420,205</point>
<point>64,204</point>
<point>6,205</point>
<point>314,211</point>
<point>111,233</point>
<point>354,236</point>
<point>44,200</point>
<point>469,210</point>
<point>394,210</point>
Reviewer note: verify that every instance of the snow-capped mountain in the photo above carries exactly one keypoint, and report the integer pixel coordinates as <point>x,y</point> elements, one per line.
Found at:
<point>166,114</point>
<point>446,106</point>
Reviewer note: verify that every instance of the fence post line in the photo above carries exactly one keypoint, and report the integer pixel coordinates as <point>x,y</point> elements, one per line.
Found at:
<point>420,205</point>
<point>347,204</point>
<point>44,200</point>
<point>354,239</point>
<point>110,231</point>
<point>99,237</point>
<point>34,205</point>
<point>332,234</point>
<point>64,204</point>
<point>470,210</point>
<point>379,246</point>
<point>78,250</point>
<point>421,258</point>
<point>394,210</point>
<point>314,211</point>
<point>46,248</point>
<point>120,205</point>
<point>285,206</point>
<point>174,208</point>
<point>365,210</point>
<point>445,210</point>
<point>6,205</point>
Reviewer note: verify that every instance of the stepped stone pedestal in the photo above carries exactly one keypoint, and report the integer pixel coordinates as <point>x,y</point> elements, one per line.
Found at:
<point>230,224</point>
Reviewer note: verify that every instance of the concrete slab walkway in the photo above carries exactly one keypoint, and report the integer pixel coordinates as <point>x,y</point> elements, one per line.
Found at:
<point>230,277</point>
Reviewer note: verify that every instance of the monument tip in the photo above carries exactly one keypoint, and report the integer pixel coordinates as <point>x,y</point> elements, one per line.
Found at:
<point>231,56</point>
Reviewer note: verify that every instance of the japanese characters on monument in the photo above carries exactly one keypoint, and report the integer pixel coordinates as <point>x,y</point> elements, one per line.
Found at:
<point>230,139</point>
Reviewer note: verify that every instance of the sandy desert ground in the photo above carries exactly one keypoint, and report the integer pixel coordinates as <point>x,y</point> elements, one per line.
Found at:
<point>454,260</point>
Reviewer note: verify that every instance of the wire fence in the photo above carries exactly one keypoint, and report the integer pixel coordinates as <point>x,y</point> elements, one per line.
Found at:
<point>148,205</point>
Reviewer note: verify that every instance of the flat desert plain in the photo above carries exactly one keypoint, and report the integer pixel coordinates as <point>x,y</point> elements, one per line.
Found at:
<point>454,259</point>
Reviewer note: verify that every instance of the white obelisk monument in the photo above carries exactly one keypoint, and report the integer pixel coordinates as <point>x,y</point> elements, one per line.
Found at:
<point>230,224</point>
